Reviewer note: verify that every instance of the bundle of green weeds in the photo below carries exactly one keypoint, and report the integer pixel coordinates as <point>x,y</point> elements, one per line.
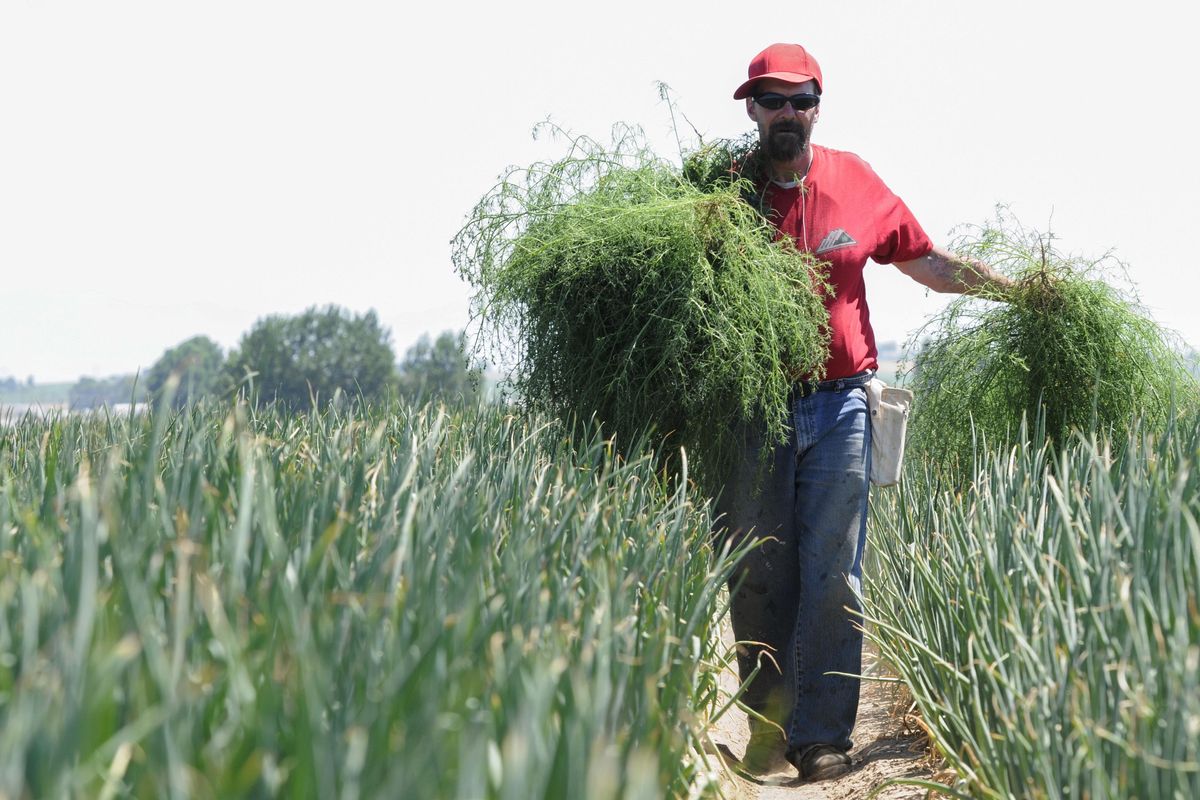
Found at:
<point>1066,348</point>
<point>644,294</point>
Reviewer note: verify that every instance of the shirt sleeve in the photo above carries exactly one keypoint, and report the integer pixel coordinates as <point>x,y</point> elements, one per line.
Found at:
<point>900,237</point>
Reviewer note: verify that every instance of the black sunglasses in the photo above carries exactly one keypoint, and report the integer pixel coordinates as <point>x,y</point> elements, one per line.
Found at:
<point>773,101</point>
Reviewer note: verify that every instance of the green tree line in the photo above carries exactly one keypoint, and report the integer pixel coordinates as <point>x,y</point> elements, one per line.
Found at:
<point>301,361</point>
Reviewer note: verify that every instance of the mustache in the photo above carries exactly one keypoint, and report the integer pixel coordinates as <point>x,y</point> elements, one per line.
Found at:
<point>786,126</point>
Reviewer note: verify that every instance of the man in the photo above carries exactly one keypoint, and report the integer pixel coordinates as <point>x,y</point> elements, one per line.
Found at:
<point>792,593</point>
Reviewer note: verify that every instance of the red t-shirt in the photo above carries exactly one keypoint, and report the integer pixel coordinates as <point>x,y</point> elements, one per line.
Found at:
<point>845,215</point>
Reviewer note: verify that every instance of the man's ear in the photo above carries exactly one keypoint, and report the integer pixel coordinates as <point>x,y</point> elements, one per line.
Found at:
<point>750,109</point>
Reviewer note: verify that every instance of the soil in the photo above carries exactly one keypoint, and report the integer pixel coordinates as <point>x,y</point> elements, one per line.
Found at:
<point>887,746</point>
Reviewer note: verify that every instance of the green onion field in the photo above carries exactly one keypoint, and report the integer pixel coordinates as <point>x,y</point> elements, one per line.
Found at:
<point>433,602</point>
<point>419,603</point>
<point>1046,620</point>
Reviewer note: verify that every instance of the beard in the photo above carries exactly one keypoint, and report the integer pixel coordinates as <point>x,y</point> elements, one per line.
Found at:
<point>786,140</point>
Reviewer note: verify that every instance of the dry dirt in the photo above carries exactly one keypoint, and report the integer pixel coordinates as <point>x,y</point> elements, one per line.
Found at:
<point>885,748</point>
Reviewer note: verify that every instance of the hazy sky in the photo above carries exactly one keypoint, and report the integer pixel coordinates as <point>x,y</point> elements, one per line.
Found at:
<point>171,169</point>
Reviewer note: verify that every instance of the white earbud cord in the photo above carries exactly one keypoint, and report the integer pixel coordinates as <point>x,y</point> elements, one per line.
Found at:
<point>804,210</point>
<point>803,199</point>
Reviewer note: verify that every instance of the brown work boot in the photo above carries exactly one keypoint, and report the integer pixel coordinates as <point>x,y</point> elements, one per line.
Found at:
<point>820,762</point>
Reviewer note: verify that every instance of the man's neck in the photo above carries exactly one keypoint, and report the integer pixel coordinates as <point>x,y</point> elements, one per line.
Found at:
<point>794,170</point>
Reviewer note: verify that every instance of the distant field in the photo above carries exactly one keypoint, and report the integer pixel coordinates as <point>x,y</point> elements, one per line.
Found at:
<point>39,393</point>
<point>13,412</point>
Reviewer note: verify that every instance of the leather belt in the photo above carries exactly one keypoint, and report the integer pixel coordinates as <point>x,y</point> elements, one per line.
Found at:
<point>801,389</point>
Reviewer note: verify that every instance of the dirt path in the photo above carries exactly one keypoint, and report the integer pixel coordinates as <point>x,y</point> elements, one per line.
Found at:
<point>883,749</point>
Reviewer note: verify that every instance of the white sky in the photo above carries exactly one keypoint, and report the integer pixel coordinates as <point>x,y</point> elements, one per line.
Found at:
<point>172,169</point>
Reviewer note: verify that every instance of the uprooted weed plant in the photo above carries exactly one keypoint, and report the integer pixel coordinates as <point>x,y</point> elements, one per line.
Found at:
<point>1066,346</point>
<point>644,294</point>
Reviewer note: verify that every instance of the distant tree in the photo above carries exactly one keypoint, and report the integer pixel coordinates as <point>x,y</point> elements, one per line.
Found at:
<point>87,393</point>
<point>293,359</point>
<point>438,369</point>
<point>97,392</point>
<point>198,362</point>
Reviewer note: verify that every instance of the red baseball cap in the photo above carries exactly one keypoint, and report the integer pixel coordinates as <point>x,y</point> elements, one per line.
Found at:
<point>785,62</point>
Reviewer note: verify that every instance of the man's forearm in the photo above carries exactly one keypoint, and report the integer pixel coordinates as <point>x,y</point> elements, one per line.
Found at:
<point>944,271</point>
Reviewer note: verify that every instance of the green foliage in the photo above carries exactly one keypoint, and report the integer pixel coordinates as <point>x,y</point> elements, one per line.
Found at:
<point>1066,345</point>
<point>198,367</point>
<point>1047,619</point>
<point>97,392</point>
<point>630,292</point>
<point>397,602</point>
<point>725,164</point>
<point>306,358</point>
<point>438,370</point>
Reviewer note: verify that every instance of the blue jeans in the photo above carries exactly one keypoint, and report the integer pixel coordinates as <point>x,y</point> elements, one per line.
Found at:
<point>808,500</point>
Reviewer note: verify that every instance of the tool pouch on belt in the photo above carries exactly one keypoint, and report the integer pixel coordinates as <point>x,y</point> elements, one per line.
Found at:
<point>889,407</point>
